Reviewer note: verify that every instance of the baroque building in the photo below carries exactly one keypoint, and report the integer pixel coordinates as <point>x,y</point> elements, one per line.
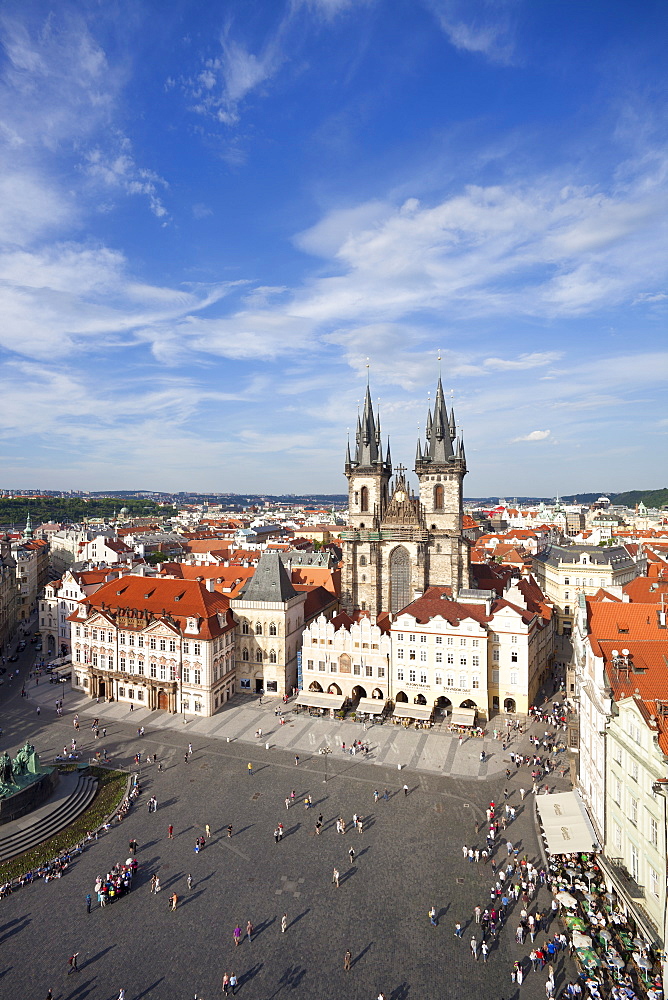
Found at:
<point>398,543</point>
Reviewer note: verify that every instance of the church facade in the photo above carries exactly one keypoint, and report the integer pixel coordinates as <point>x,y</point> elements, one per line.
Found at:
<point>398,543</point>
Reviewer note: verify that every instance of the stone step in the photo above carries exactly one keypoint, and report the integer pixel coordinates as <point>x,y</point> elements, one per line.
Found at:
<point>54,816</point>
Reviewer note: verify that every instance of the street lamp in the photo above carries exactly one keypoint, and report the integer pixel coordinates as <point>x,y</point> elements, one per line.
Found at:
<point>326,751</point>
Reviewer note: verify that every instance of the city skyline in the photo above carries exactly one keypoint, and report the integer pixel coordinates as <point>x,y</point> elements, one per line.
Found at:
<point>211,219</point>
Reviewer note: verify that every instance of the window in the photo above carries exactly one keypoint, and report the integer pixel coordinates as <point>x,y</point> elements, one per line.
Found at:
<point>475,681</point>
<point>163,645</point>
<point>121,692</point>
<point>475,660</point>
<point>423,638</point>
<point>368,670</point>
<point>439,656</point>
<point>653,831</point>
<point>77,632</point>
<point>197,648</point>
<point>140,694</point>
<point>364,498</point>
<point>154,668</point>
<point>566,595</point>
<point>140,641</point>
<point>495,677</point>
<point>450,640</point>
<point>244,654</point>
<point>258,628</point>
<point>633,810</point>
<point>131,640</point>
<point>272,656</point>
<point>618,836</point>
<point>439,639</point>
<point>362,560</point>
<point>463,681</point>
<point>513,639</point>
<point>131,692</point>
<point>321,666</point>
<point>451,657</point>
<point>567,580</point>
<point>513,657</point>
<point>258,656</point>
<point>450,681</point>
<point>333,667</point>
<point>172,645</point>
<point>513,678</point>
<point>381,671</point>
<point>400,654</point>
<point>121,663</point>
<point>462,642</point>
<point>495,656</point>
<point>634,770</point>
<point>438,680</point>
<point>400,674</point>
<point>653,883</point>
<point>110,661</point>
<point>94,634</point>
<point>131,665</point>
<point>151,642</point>
<point>244,629</point>
<point>77,658</point>
<point>423,655</point>
<point>475,642</point>
<point>186,675</point>
<point>121,638</point>
<point>411,676</point>
<point>463,662</point>
<point>197,676</point>
<point>423,678</point>
<point>400,636</point>
<point>140,666</point>
<point>163,672</point>
<point>634,862</point>
<point>272,629</point>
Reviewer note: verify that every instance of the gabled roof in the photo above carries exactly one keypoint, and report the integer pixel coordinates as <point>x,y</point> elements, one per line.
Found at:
<point>435,602</point>
<point>270,582</point>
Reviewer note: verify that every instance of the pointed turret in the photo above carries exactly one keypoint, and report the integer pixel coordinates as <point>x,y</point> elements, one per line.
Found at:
<point>438,449</point>
<point>28,528</point>
<point>418,454</point>
<point>388,459</point>
<point>368,446</point>
<point>453,425</point>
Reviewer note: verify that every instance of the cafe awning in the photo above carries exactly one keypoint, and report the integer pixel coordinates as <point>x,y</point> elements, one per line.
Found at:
<point>566,826</point>
<point>318,699</point>
<point>403,710</point>
<point>463,717</point>
<point>371,706</point>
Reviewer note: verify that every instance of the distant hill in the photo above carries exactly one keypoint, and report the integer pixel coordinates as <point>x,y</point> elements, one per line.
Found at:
<point>13,511</point>
<point>651,498</point>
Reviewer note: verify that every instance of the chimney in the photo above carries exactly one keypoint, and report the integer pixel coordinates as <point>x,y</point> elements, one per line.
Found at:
<point>211,585</point>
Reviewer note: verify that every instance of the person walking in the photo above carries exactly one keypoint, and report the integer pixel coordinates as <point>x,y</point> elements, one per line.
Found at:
<point>225,985</point>
<point>72,962</point>
<point>249,931</point>
<point>236,934</point>
<point>233,983</point>
<point>386,795</point>
<point>459,931</point>
<point>173,901</point>
<point>250,769</point>
<point>347,958</point>
<point>229,830</point>
<point>405,790</point>
<point>284,923</point>
<point>296,760</point>
<point>170,832</point>
<point>121,994</point>
<point>277,835</point>
<point>477,912</point>
<point>375,795</point>
<point>432,917</point>
<point>335,877</point>
<point>287,801</point>
<point>474,949</point>
<point>89,902</point>
<point>351,855</point>
<point>207,831</point>
<point>484,950</point>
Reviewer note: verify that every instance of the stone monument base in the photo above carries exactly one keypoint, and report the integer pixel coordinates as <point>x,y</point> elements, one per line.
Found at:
<point>26,799</point>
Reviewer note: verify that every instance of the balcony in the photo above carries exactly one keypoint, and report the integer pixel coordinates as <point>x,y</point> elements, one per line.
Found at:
<point>623,877</point>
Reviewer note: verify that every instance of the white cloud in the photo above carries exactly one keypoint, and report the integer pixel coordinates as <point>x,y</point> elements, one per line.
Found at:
<point>116,168</point>
<point>226,80</point>
<point>524,361</point>
<point>478,26</point>
<point>534,436</point>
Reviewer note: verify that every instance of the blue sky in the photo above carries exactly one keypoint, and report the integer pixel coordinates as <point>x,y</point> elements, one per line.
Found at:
<point>212,214</point>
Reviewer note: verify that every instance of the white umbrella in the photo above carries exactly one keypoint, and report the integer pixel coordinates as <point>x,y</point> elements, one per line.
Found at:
<point>581,940</point>
<point>566,899</point>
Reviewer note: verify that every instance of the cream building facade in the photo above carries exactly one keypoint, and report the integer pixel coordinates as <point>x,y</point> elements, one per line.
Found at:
<point>348,657</point>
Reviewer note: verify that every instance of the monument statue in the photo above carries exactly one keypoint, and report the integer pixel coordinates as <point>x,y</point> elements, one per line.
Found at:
<point>23,770</point>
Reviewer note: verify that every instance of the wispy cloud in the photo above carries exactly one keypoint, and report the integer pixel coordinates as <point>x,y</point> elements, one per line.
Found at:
<point>478,26</point>
<point>116,169</point>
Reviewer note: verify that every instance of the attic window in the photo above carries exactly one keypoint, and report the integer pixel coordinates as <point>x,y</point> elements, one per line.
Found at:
<point>622,631</point>
<point>178,597</point>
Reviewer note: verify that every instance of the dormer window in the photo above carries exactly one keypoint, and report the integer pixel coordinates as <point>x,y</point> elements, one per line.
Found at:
<point>191,625</point>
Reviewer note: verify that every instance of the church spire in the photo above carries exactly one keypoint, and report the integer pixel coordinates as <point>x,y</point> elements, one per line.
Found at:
<point>27,533</point>
<point>368,445</point>
<point>439,437</point>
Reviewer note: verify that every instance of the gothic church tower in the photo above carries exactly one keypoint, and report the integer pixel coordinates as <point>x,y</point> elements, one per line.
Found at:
<point>398,544</point>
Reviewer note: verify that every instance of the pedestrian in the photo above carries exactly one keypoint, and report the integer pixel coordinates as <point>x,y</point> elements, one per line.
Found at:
<point>296,760</point>
<point>484,950</point>
<point>226,984</point>
<point>522,793</point>
<point>250,770</point>
<point>477,912</point>
<point>38,708</point>
<point>249,931</point>
<point>121,994</point>
<point>170,832</point>
<point>474,948</point>
<point>236,934</point>
<point>49,995</point>
<point>351,855</point>
<point>284,923</point>
<point>185,758</point>
<point>89,903</point>
<point>432,917</point>
<point>173,901</point>
<point>229,830</point>
<point>72,962</point>
<point>375,795</point>
<point>190,881</point>
<point>346,961</point>
<point>458,930</point>
<point>287,801</point>
<point>190,749</point>
<point>405,790</point>
<point>335,877</point>
<point>233,983</point>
